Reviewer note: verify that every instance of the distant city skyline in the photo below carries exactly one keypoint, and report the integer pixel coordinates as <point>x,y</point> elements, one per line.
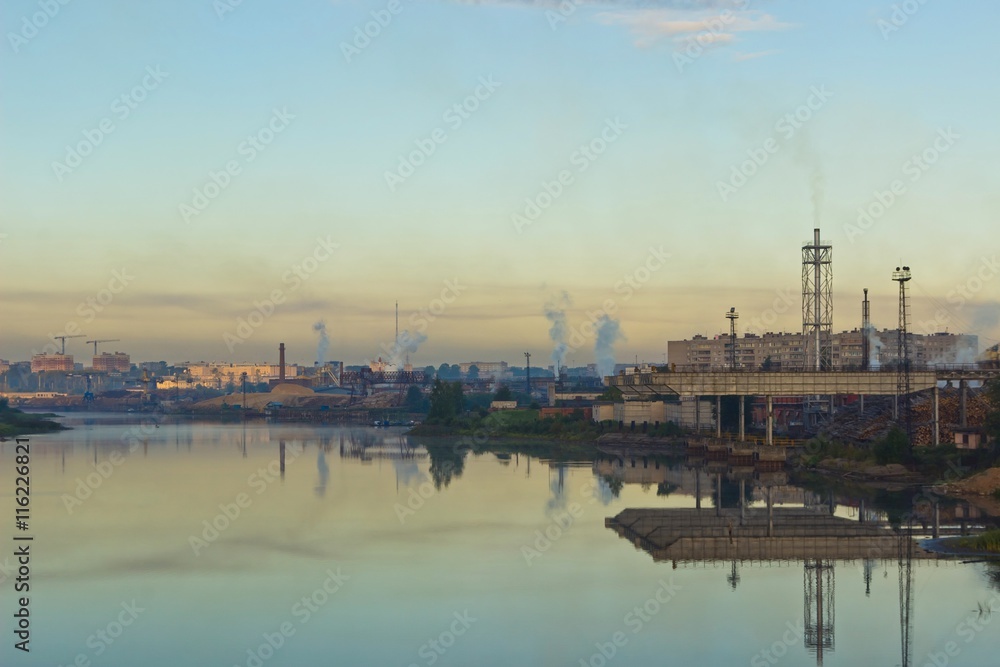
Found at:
<point>169,170</point>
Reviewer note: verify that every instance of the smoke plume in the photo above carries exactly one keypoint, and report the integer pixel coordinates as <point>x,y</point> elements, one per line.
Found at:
<point>324,342</point>
<point>407,343</point>
<point>607,332</point>
<point>555,312</point>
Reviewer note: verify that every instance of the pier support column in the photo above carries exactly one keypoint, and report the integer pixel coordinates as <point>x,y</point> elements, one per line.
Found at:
<point>697,488</point>
<point>937,522</point>
<point>743,495</point>
<point>718,494</point>
<point>862,399</point>
<point>742,418</point>
<point>770,420</point>
<point>697,415</point>
<point>718,417</point>
<point>963,395</point>
<point>937,422</point>
<point>861,511</point>
<point>895,408</point>
<point>770,514</point>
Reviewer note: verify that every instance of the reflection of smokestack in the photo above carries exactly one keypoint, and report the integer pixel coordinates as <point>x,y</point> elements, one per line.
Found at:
<point>281,362</point>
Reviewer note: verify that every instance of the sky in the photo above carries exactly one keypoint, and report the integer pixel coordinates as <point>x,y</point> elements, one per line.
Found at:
<point>204,180</point>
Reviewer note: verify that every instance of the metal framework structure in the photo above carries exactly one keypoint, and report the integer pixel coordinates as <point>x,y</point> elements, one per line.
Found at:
<point>903,370</point>
<point>732,316</point>
<point>817,303</point>
<point>818,615</point>
<point>527,371</point>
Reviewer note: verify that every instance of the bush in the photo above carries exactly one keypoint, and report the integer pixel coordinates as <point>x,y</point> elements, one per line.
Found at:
<point>893,448</point>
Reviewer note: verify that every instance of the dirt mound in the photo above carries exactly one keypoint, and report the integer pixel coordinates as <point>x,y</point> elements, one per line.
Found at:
<point>982,484</point>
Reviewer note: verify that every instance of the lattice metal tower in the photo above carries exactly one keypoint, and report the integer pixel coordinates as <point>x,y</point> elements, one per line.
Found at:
<point>902,276</point>
<point>732,316</point>
<point>818,616</point>
<point>817,303</point>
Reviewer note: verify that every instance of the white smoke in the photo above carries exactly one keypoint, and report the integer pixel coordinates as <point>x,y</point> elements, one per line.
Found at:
<point>406,343</point>
<point>874,348</point>
<point>324,342</point>
<point>608,332</point>
<point>555,312</point>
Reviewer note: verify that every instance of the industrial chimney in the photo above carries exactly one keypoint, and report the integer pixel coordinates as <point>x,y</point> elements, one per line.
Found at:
<point>281,362</point>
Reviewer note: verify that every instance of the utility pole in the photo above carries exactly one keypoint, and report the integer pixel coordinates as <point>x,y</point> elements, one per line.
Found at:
<point>527,369</point>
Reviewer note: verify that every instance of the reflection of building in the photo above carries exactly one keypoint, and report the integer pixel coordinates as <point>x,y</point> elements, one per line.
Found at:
<point>41,363</point>
<point>108,362</point>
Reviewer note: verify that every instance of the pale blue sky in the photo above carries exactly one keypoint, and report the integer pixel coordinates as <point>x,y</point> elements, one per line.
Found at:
<point>324,174</point>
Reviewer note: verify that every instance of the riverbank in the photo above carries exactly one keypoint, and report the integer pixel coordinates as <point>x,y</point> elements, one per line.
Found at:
<point>14,422</point>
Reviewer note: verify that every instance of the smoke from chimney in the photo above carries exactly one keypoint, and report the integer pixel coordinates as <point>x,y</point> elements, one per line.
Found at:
<point>555,312</point>
<point>324,342</point>
<point>608,332</point>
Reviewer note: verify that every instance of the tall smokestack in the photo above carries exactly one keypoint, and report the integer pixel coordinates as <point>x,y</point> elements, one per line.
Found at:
<point>281,362</point>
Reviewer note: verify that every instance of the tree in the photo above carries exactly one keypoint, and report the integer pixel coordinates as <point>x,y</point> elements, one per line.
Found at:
<point>504,394</point>
<point>613,394</point>
<point>892,448</point>
<point>415,399</point>
<point>473,372</point>
<point>447,401</point>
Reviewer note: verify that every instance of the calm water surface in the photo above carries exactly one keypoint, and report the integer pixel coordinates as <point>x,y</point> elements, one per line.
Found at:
<point>369,551</point>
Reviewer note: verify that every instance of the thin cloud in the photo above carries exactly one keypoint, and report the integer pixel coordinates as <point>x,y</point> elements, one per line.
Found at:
<point>682,27</point>
<point>743,57</point>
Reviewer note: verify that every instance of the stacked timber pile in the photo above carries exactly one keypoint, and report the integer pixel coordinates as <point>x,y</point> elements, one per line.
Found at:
<point>377,401</point>
<point>876,421</point>
<point>983,484</point>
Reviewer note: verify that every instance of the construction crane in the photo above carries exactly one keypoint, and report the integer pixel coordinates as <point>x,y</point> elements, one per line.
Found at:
<point>102,340</point>
<point>63,339</point>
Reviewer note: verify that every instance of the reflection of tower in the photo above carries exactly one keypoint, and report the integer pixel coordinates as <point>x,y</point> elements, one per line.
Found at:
<point>902,276</point>
<point>819,614</point>
<point>869,565</point>
<point>734,576</point>
<point>905,591</point>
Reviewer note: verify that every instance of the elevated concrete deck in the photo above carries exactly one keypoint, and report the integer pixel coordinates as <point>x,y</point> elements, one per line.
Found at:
<point>790,534</point>
<point>759,383</point>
